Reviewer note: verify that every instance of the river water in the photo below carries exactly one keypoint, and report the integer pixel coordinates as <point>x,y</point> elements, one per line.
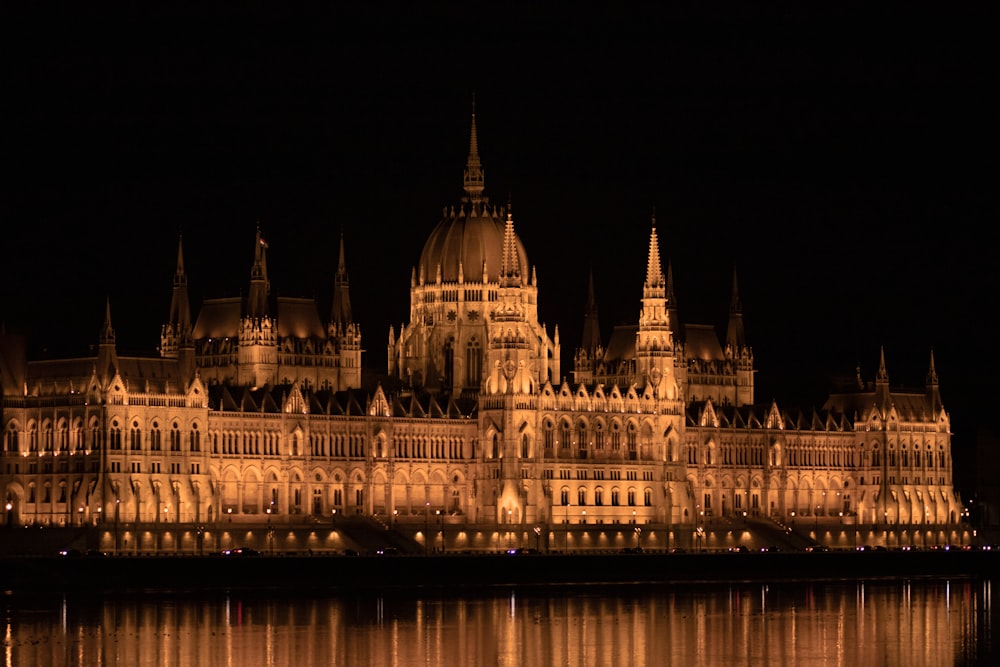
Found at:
<point>912,623</point>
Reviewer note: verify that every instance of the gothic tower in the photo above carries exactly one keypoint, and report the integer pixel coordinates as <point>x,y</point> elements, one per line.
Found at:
<point>342,330</point>
<point>258,341</point>
<point>176,336</point>
<point>654,344</point>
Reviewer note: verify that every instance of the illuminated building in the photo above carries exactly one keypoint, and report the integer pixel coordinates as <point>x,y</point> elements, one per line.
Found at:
<point>257,409</point>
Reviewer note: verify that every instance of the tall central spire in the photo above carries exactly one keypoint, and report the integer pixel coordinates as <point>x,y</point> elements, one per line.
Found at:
<point>654,286</point>
<point>474,182</point>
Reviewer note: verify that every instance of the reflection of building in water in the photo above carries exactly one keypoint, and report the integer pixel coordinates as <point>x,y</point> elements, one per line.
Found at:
<point>923,622</point>
<point>257,409</point>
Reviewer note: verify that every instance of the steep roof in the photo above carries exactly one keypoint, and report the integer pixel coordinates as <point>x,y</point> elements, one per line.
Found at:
<point>218,318</point>
<point>701,342</point>
<point>299,318</point>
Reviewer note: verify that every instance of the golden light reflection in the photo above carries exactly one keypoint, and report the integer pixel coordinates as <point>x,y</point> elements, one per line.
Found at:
<point>887,623</point>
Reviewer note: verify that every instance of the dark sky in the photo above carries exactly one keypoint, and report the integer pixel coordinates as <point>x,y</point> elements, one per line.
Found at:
<point>844,165</point>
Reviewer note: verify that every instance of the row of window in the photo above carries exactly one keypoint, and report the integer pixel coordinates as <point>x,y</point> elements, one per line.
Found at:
<point>78,440</point>
<point>582,495</point>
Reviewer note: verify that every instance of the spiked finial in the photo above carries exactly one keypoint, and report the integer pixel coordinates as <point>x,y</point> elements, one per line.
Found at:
<point>474,177</point>
<point>654,269</point>
<point>510,265</point>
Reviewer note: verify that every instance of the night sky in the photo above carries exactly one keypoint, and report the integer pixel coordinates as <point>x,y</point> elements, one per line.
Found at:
<point>843,165</point>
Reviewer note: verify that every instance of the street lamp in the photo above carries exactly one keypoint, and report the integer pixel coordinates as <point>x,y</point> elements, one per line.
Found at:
<point>441,528</point>
<point>700,530</point>
<point>538,538</point>
<point>510,515</point>
<point>638,537</point>
<point>927,520</point>
<point>427,511</point>
<point>270,539</point>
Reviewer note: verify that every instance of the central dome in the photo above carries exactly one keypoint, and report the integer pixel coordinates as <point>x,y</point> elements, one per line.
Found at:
<point>468,237</point>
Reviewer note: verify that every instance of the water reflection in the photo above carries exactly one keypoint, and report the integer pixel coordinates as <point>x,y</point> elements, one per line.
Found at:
<point>924,622</point>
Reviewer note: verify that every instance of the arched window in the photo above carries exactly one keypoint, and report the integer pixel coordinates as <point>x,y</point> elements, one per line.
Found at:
<point>175,438</point>
<point>115,435</point>
<point>564,437</point>
<point>47,437</point>
<point>473,363</point>
<point>449,363</point>
<point>95,435</point>
<point>195,438</point>
<point>154,437</point>
<point>63,437</point>
<point>548,436</point>
<point>11,438</point>
<point>135,437</point>
<point>76,435</point>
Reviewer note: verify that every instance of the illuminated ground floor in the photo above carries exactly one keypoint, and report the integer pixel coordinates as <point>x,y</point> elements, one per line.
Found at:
<point>444,534</point>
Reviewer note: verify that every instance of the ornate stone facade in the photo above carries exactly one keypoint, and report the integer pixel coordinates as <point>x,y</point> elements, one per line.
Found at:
<point>248,416</point>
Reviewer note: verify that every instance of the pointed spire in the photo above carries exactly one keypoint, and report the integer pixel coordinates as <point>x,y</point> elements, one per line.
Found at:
<point>883,395</point>
<point>655,284</point>
<point>735,335</point>
<point>260,287</point>
<point>180,309</point>
<point>474,176</point>
<point>179,276</point>
<point>510,264</point>
<point>107,336</point>
<point>107,355</point>
<point>882,377</point>
<point>735,306</point>
<point>933,388</point>
<point>591,325</point>
<point>341,312</point>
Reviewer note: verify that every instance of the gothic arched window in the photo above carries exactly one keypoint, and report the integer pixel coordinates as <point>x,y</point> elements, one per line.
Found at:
<point>449,363</point>
<point>473,364</point>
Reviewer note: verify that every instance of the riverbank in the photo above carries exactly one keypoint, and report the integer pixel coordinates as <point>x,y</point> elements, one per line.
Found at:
<point>336,574</point>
